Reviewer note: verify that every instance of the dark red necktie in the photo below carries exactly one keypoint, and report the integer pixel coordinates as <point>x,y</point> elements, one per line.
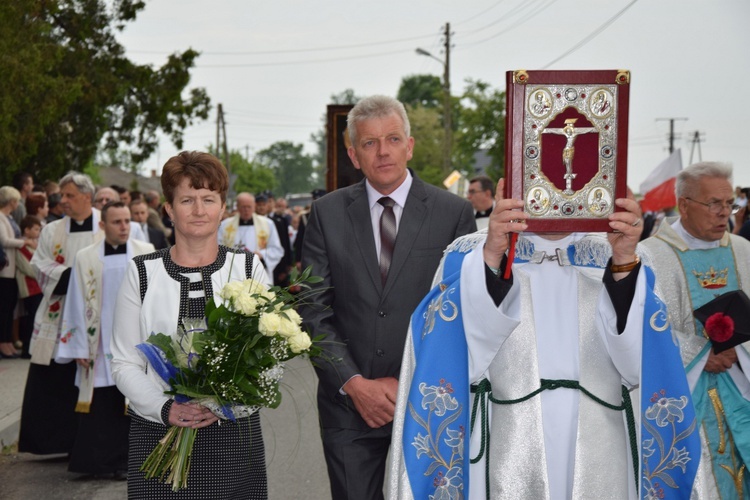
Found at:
<point>387,236</point>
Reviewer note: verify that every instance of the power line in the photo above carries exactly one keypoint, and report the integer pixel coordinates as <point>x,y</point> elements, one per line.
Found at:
<point>309,61</point>
<point>513,26</point>
<point>520,7</point>
<point>318,49</point>
<point>591,36</point>
<point>253,114</point>
<point>293,51</point>
<point>480,13</point>
<point>265,124</point>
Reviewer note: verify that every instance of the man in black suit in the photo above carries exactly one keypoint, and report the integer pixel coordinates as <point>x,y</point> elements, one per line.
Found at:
<point>372,282</point>
<point>139,215</point>
<point>264,204</point>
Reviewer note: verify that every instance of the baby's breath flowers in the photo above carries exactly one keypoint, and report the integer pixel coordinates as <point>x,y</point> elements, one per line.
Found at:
<point>231,361</point>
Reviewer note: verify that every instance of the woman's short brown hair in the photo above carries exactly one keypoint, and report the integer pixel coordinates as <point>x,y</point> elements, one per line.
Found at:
<point>203,170</point>
<point>35,202</point>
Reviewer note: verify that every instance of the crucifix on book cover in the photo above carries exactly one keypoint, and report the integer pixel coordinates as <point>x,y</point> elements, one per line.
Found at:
<point>566,155</point>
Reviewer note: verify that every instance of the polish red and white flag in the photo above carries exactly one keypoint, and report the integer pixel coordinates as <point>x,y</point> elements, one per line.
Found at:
<point>658,188</point>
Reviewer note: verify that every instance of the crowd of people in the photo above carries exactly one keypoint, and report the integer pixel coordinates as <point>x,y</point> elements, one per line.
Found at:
<point>59,291</point>
<point>453,365</point>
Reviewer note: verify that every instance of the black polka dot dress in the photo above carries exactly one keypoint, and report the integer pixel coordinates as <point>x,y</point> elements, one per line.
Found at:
<point>228,460</point>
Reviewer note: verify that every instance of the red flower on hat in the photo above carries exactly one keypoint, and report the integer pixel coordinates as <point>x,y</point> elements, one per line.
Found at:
<point>719,327</point>
<point>60,259</point>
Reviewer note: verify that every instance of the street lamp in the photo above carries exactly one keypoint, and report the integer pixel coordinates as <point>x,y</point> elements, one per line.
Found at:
<point>447,111</point>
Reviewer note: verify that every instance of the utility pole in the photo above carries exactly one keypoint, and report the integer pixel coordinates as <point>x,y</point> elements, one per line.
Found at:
<point>448,118</point>
<point>447,107</point>
<point>221,137</point>
<point>696,142</point>
<point>219,120</point>
<point>671,131</point>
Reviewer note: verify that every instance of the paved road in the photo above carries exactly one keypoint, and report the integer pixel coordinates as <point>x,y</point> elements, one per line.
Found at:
<point>296,468</point>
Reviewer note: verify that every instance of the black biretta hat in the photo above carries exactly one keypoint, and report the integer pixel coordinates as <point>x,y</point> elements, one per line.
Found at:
<point>736,305</point>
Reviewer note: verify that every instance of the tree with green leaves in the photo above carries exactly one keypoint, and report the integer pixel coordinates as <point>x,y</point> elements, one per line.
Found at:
<point>421,90</point>
<point>291,167</point>
<point>480,125</point>
<point>428,133</point>
<point>247,176</point>
<point>67,87</point>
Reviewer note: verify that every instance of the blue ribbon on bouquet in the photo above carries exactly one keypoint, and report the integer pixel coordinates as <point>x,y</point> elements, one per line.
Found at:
<point>168,372</point>
<point>161,365</point>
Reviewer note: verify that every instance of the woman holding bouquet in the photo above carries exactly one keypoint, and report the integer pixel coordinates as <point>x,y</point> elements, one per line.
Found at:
<point>166,292</point>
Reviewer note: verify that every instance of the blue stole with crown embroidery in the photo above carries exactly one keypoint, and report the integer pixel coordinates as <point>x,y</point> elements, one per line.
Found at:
<point>723,412</point>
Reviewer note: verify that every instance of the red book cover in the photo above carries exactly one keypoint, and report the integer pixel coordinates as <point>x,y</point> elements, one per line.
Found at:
<point>567,146</point>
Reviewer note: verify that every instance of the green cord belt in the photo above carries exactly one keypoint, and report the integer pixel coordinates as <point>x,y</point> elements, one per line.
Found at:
<point>483,391</point>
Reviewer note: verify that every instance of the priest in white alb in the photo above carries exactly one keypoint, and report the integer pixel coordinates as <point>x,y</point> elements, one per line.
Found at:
<point>252,232</point>
<point>101,444</point>
<point>534,346</point>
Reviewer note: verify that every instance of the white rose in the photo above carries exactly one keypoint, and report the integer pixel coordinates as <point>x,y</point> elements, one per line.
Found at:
<point>288,328</point>
<point>293,316</point>
<point>232,290</point>
<point>269,324</point>
<point>246,304</point>
<point>300,342</point>
<point>255,287</point>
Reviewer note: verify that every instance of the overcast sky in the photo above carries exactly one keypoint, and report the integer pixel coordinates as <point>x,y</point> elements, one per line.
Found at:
<point>273,65</point>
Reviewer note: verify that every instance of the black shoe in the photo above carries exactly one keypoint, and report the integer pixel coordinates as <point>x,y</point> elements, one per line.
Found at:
<point>8,356</point>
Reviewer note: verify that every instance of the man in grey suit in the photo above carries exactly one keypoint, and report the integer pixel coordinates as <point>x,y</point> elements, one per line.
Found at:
<point>374,272</point>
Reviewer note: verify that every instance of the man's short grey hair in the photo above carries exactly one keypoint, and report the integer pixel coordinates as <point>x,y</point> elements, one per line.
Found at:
<point>9,194</point>
<point>687,180</point>
<point>376,106</point>
<point>81,181</point>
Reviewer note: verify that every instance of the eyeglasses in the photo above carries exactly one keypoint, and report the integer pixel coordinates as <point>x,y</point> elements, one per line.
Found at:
<point>475,191</point>
<point>715,207</point>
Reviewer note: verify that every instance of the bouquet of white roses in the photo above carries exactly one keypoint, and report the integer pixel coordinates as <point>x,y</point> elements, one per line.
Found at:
<point>231,362</point>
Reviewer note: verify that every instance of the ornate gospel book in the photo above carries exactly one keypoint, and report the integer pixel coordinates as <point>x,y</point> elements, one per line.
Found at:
<point>566,146</point>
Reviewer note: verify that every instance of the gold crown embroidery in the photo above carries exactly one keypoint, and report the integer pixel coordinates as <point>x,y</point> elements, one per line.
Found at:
<point>712,278</point>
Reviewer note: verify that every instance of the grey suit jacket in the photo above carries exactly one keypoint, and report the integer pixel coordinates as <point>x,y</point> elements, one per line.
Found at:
<point>363,322</point>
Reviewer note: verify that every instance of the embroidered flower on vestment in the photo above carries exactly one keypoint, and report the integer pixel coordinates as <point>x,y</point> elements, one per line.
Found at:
<point>456,441</point>
<point>422,444</point>
<point>449,486</point>
<point>667,410</point>
<point>680,458</point>
<point>438,397</point>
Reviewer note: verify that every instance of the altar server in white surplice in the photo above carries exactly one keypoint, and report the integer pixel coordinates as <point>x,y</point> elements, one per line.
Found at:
<point>101,445</point>
<point>571,310</point>
<point>253,232</point>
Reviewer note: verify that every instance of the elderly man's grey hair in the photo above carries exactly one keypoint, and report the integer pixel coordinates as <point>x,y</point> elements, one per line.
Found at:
<point>687,180</point>
<point>376,106</point>
<point>81,181</point>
